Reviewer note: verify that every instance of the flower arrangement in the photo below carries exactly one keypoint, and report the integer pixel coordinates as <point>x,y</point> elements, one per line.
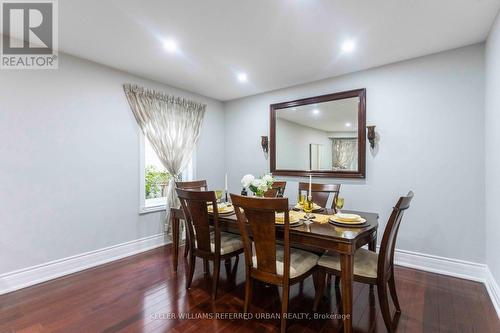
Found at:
<point>258,186</point>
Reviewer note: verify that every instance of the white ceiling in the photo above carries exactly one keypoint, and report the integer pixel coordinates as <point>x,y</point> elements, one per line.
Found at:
<point>328,116</point>
<point>277,43</point>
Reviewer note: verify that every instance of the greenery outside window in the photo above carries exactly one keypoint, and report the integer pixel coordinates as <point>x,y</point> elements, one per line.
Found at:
<point>154,178</point>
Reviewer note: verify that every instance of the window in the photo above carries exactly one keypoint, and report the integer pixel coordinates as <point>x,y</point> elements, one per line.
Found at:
<point>154,178</point>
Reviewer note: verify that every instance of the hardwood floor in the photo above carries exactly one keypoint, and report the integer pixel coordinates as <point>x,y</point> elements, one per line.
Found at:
<point>143,294</point>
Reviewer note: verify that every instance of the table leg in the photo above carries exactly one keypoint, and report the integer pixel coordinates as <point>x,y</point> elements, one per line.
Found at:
<point>175,240</point>
<point>347,266</point>
<point>372,245</point>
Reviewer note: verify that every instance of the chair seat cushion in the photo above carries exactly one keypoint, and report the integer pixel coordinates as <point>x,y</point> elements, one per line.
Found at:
<point>300,261</point>
<point>365,262</point>
<point>228,242</point>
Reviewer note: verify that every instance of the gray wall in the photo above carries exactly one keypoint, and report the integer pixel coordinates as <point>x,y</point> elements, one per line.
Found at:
<point>492,141</point>
<point>294,145</point>
<point>69,162</point>
<point>421,107</point>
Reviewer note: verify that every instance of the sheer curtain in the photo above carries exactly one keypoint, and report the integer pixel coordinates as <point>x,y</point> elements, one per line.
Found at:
<point>172,126</point>
<point>345,153</point>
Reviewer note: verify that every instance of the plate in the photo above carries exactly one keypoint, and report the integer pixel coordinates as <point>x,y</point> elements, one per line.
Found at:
<point>336,219</point>
<point>222,208</point>
<point>349,225</point>
<point>343,217</point>
<point>293,219</point>
<point>316,208</point>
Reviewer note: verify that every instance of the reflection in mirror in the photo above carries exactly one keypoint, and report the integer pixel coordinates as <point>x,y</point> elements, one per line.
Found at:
<point>319,137</point>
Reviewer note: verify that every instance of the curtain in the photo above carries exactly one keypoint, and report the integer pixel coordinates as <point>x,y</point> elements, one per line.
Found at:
<point>172,126</point>
<point>345,153</point>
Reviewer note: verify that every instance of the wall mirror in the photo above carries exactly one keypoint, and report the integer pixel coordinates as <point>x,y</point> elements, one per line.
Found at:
<point>322,136</point>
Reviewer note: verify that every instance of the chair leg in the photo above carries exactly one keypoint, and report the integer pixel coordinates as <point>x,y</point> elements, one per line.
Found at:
<point>227,266</point>
<point>215,282</point>
<point>284,306</point>
<point>337,281</point>
<point>248,293</point>
<point>394,295</point>
<point>236,262</point>
<point>186,249</point>
<point>384,305</point>
<point>320,278</point>
<point>206,267</point>
<point>192,263</point>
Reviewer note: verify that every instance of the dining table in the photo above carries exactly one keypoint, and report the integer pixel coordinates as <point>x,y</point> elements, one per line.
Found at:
<point>344,240</point>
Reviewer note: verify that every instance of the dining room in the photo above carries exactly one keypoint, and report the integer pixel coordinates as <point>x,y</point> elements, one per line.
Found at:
<point>249,166</point>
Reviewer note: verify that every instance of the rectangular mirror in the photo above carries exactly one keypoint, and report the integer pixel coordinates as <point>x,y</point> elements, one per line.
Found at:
<point>323,136</point>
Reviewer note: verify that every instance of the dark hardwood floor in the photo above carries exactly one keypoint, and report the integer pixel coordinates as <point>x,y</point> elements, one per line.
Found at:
<point>143,294</point>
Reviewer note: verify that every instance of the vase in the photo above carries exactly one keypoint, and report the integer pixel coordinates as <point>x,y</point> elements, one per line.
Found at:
<point>259,194</point>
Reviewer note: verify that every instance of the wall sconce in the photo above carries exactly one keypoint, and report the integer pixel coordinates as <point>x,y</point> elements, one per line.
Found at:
<point>264,142</point>
<point>371,135</point>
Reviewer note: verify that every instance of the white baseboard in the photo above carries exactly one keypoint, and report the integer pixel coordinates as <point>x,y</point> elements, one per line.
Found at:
<point>37,274</point>
<point>33,275</point>
<point>451,267</point>
<point>493,290</point>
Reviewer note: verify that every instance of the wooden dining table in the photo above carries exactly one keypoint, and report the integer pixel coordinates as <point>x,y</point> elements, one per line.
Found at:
<point>314,236</point>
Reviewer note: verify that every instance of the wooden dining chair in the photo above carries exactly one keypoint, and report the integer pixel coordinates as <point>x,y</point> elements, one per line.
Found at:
<point>195,185</point>
<point>370,267</point>
<point>277,190</point>
<point>321,192</point>
<point>203,242</point>
<point>267,261</point>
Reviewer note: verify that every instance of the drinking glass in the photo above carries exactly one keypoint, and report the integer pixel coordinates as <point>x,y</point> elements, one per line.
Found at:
<point>308,208</point>
<point>302,199</point>
<point>339,204</point>
<point>218,195</point>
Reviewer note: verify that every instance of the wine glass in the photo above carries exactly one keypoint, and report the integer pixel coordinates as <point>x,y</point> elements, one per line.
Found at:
<point>339,204</point>
<point>308,208</point>
<point>218,195</point>
<point>302,199</point>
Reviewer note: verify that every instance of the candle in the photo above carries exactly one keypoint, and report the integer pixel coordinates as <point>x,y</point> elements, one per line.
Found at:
<point>225,182</point>
<point>310,185</point>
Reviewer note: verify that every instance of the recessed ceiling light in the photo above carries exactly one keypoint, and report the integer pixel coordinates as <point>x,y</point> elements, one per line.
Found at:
<point>348,46</point>
<point>170,45</point>
<point>348,124</point>
<point>315,111</point>
<point>242,77</point>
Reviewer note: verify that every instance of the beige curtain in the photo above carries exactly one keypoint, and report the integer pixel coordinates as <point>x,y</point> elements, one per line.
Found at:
<point>345,153</point>
<point>172,125</point>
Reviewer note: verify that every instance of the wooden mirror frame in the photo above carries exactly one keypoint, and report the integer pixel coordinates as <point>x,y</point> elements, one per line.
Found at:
<point>360,173</point>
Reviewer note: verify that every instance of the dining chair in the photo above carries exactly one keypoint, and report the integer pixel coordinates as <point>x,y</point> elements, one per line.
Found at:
<point>372,268</point>
<point>277,190</point>
<point>265,260</point>
<point>321,192</point>
<point>195,185</point>
<point>203,242</point>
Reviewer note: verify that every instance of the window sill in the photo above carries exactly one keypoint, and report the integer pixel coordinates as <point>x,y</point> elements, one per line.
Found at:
<point>152,209</point>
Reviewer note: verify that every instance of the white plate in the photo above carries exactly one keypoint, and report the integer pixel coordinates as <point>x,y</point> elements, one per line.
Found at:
<point>335,219</point>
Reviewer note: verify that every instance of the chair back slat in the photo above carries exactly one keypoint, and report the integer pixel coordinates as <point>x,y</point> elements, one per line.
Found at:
<point>195,206</point>
<point>256,220</point>
<point>386,255</point>
<point>321,192</point>
<point>277,190</point>
<point>197,185</point>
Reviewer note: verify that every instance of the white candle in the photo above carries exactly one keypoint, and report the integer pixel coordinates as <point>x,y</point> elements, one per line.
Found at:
<point>310,185</point>
<point>225,182</point>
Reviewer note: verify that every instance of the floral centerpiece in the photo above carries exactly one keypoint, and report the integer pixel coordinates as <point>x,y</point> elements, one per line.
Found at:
<point>258,186</point>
